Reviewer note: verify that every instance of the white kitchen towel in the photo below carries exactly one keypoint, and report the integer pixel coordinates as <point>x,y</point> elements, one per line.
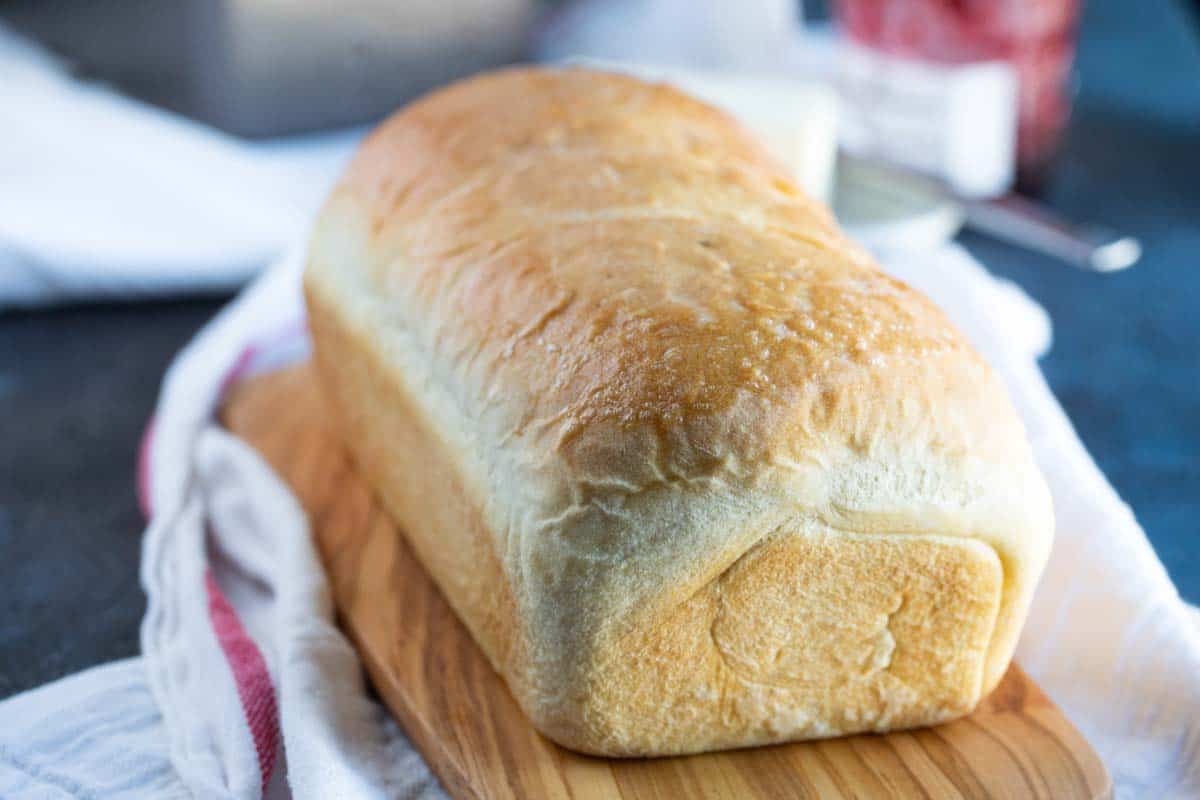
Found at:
<point>238,640</point>
<point>94,734</point>
<point>104,197</point>
<point>260,695</point>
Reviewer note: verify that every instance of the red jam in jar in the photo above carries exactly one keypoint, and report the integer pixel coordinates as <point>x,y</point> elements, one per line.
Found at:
<point>1035,37</point>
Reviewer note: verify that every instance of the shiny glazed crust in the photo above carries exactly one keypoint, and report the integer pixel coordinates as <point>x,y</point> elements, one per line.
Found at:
<point>693,472</point>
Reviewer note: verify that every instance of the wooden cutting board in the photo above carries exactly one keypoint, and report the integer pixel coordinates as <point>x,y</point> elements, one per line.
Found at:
<point>458,712</point>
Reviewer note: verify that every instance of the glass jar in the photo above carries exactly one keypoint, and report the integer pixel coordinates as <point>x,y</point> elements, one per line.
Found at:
<point>1035,37</point>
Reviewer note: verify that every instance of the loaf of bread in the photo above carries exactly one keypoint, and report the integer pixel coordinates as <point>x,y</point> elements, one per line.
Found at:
<point>691,469</point>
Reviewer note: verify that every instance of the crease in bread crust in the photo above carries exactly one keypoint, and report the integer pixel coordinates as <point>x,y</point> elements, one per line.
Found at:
<point>739,487</point>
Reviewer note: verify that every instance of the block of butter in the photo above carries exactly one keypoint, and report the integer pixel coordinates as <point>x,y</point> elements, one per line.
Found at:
<point>796,119</point>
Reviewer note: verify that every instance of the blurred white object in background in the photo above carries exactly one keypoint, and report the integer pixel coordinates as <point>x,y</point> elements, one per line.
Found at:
<point>739,57</point>
<point>958,122</point>
<point>795,119</point>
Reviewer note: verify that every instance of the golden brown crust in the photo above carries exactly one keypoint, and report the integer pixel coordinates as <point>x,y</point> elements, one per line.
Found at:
<point>642,354</point>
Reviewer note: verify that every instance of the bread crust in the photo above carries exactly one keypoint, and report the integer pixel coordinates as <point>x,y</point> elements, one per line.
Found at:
<point>692,470</point>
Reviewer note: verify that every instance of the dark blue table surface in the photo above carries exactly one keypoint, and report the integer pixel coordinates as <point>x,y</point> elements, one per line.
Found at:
<point>76,385</point>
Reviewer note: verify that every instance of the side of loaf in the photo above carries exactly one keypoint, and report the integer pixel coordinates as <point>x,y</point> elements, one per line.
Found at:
<point>691,469</point>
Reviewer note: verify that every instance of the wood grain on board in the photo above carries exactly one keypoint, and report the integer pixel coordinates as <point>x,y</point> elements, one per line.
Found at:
<point>457,711</point>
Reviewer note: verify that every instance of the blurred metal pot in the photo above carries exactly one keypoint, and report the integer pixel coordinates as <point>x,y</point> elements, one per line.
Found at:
<point>266,67</point>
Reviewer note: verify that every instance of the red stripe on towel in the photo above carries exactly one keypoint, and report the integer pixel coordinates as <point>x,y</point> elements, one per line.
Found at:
<point>250,674</point>
<point>246,663</point>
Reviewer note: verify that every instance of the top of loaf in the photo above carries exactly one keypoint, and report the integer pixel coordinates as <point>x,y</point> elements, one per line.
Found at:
<point>622,257</point>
